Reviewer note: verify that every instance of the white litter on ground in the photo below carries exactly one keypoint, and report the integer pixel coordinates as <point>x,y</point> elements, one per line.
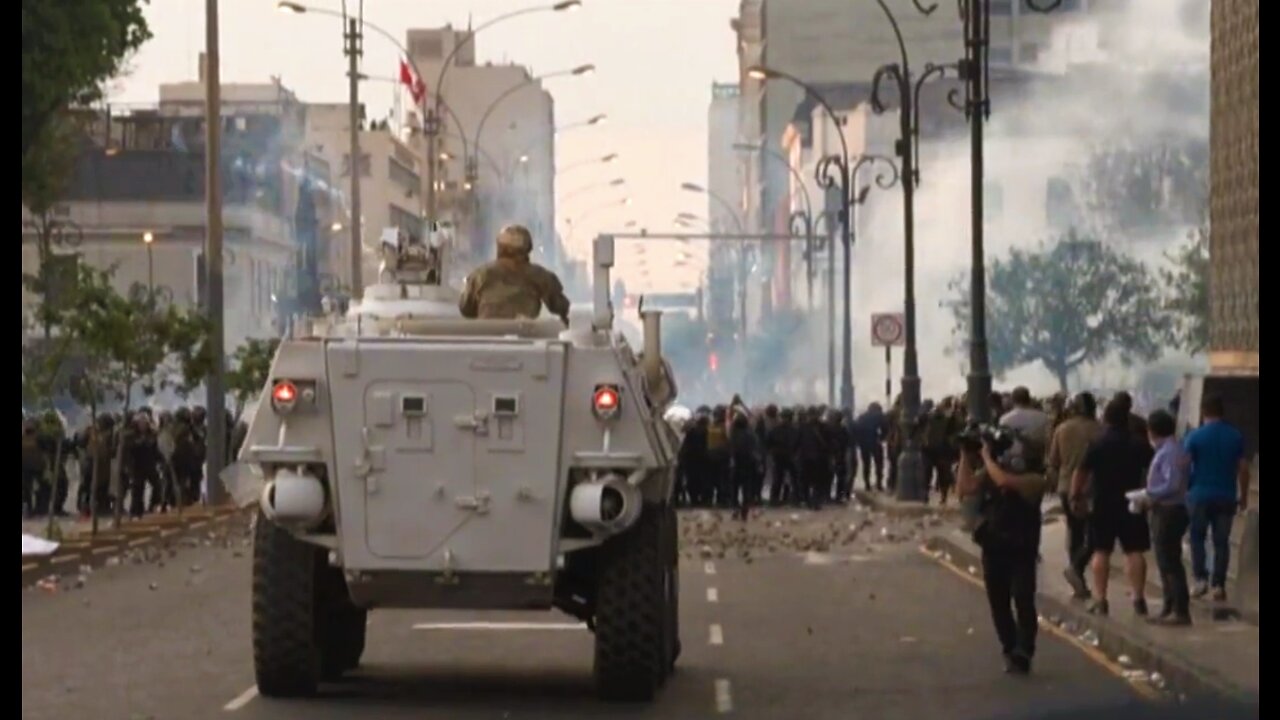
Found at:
<point>32,545</point>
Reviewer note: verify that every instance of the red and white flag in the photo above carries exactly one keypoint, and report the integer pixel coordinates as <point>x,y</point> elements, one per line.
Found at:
<point>410,80</point>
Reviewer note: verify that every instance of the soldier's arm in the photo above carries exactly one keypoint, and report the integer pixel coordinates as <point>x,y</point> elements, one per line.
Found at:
<point>469,303</point>
<point>553,295</point>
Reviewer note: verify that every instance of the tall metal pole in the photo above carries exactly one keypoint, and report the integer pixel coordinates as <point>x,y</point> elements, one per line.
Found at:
<point>846,359</point>
<point>215,457</point>
<point>977,107</point>
<point>911,479</point>
<point>831,313</point>
<point>353,52</point>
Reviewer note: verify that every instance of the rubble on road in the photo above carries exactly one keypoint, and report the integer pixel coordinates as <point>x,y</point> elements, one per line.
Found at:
<point>842,531</point>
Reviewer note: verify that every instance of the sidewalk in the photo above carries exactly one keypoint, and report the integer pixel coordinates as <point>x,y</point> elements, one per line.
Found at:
<point>1209,658</point>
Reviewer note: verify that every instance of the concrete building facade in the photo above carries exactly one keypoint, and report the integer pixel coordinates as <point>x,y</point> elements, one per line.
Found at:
<point>496,147</point>
<point>141,173</point>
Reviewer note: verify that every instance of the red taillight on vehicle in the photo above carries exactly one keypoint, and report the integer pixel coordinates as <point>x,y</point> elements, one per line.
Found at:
<point>283,395</point>
<point>605,401</point>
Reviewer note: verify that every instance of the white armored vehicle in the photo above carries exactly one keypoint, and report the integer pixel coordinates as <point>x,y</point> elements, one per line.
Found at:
<point>416,459</point>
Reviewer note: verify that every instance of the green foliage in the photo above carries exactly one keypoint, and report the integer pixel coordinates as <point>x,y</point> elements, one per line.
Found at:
<point>69,49</point>
<point>248,376</point>
<point>46,169</point>
<point>73,326</point>
<point>189,334</point>
<point>1067,304</point>
<point>1187,284</point>
<point>1153,183</point>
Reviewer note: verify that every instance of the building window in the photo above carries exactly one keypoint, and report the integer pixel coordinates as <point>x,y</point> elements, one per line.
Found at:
<point>1060,204</point>
<point>1001,8</point>
<point>405,220</point>
<point>992,201</point>
<point>1001,55</point>
<point>430,46</point>
<point>366,165</point>
<point>1028,52</point>
<point>404,177</point>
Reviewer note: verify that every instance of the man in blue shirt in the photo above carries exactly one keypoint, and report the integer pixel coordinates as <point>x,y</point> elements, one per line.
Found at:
<point>1219,488</point>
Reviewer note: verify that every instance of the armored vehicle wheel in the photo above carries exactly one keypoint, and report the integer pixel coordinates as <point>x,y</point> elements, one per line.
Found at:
<point>286,654</point>
<point>341,625</point>
<point>672,535</point>
<point>633,647</point>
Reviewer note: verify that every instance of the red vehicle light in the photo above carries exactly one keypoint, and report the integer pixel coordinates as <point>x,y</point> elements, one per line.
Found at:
<point>284,394</point>
<point>605,401</point>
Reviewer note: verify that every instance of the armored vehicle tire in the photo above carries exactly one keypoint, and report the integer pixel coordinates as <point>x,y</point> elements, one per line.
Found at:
<point>672,535</point>
<point>633,641</point>
<point>341,628</point>
<point>286,655</point>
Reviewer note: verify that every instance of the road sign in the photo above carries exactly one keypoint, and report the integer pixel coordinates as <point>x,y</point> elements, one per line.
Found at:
<point>887,329</point>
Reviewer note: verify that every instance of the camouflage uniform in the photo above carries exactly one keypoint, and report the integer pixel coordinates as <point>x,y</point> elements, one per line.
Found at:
<point>512,287</point>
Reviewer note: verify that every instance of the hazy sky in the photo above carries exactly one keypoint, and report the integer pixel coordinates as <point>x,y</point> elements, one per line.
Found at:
<point>655,59</point>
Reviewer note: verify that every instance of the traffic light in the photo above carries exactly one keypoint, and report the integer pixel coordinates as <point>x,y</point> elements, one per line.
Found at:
<point>713,362</point>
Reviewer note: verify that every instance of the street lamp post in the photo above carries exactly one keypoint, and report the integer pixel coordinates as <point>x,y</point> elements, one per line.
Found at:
<point>805,216</point>
<point>214,385</point>
<point>832,170</point>
<point>911,481</point>
<point>431,123</point>
<point>147,239</point>
<point>616,182</point>
<point>604,160</point>
<point>975,15</point>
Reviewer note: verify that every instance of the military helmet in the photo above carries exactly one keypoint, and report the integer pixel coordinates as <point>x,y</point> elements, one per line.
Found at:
<point>515,239</point>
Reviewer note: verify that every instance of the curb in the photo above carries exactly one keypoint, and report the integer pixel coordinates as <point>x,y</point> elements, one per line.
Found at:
<point>877,501</point>
<point>1182,674</point>
<point>93,551</point>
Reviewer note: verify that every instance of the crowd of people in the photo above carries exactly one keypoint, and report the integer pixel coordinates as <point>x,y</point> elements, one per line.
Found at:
<point>1122,479</point>
<point>160,458</point>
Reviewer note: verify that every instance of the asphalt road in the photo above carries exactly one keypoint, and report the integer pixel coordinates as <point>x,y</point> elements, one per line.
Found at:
<point>858,634</point>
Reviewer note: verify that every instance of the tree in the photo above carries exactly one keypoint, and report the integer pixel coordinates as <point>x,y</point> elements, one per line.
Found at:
<point>69,49</point>
<point>1065,305</point>
<point>251,365</point>
<point>134,340</point>
<point>1187,286</point>
<point>70,325</point>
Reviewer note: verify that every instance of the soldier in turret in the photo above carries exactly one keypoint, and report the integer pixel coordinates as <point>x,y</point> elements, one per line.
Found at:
<point>511,286</point>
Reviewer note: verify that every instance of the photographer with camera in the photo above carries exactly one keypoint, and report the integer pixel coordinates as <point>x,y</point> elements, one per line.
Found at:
<point>1006,477</point>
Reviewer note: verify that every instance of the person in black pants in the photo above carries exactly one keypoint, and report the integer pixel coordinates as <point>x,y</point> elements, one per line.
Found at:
<point>1167,495</point>
<point>872,430</point>
<point>1011,489</point>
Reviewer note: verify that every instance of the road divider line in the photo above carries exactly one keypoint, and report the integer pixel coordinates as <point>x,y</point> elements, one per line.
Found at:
<point>713,595</point>
<point>724,696</point>
<point>242,699</point>
<point>709,567</point>
<point>1097,656</point>
<point>717,635</point>
<point>499,626</point>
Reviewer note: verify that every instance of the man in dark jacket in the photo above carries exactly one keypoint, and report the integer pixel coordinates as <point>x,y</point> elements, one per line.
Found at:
<point>745,454</point>
<point>781,444</point>
<point>813,452</point>
<point>872,430</point>
<point>838,443</point>
<point>691,468</point>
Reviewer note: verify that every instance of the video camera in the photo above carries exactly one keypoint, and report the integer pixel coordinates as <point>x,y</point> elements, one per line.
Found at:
<point>998,438</point>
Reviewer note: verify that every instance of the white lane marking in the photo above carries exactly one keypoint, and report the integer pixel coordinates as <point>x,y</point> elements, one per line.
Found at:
<point>709,567</point>
<point>724,698</point>
<point>713,595</point>
<point>242,699</point>
<point>500,626</point>
<point>717,635</point>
